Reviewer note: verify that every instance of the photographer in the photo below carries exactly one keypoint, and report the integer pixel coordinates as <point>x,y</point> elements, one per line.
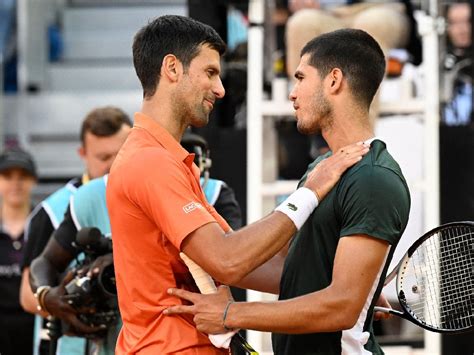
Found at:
<point>102,133</point>
<point>86,209</point>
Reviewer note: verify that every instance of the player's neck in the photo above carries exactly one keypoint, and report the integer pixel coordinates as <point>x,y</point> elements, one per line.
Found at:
<point>348,128</point>
<point>164,115</point>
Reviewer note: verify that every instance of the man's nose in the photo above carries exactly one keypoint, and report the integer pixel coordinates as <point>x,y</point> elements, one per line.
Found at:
<point>292,95</point>
<point>219,90</point>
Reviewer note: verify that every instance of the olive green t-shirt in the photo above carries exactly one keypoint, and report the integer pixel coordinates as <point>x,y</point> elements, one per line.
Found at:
<point>371,198</point>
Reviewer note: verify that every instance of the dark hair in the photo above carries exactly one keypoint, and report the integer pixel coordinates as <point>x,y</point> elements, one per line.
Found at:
<point>354,52</point>
<point>170,34</point>
<point>104,122</point>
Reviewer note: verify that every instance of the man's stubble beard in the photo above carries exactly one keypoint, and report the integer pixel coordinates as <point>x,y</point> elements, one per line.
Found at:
<point>196,117</point>
<point>321,114</point>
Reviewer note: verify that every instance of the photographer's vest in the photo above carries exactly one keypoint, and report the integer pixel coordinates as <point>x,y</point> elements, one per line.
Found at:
<point>55,206</point>
<point>212,189</point>
<point>89,209</point>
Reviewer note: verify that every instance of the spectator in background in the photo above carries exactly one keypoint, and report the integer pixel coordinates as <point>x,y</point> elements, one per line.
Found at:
<point>387,22</point>
<point>391,23</point>
<point>458,66</point>
<point>17,179</point>
<point>457,138</point>
<point>458,17</point>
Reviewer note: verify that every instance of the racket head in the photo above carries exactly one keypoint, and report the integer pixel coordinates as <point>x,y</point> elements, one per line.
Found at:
<point>435,279</point>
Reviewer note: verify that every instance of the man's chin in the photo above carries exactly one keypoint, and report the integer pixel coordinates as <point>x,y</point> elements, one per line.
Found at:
<point>307,130</point>
<point>200,122</point>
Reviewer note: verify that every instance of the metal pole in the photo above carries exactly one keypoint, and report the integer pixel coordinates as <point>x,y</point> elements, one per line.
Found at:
<point>430,28</point>
<point>254,131</point>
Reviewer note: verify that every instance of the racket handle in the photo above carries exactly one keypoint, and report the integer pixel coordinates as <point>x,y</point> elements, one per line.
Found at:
<point>240,342</point>
<point>203,280</point>
<point>206,285</point>
<point>391,311</point>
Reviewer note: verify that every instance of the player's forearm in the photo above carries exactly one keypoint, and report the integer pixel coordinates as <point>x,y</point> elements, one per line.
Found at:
<point>314,313</point>
<point>248,248</point>
<point>265,278</point>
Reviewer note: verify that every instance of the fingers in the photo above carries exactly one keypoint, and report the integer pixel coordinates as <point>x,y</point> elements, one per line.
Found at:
<point>381,315</point>
<point>80,327</point>
<point>328,172</point>
<point>352,148</point>
<point>179,309</point>
<point>185,295</point>
<point>225,290</point>
<point>99,264</point>
<point>69,276</point>
<point>349,155</point>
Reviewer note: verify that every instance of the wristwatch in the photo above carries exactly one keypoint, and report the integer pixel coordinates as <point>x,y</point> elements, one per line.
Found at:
<point>39,295</point>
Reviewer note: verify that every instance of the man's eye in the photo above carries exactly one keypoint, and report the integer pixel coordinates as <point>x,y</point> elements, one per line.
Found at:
<point>104,157</point>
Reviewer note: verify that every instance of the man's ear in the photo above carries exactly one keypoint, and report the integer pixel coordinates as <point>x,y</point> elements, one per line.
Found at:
<point>171,67</point>
<point>81,151</point>
<point>335,78</point>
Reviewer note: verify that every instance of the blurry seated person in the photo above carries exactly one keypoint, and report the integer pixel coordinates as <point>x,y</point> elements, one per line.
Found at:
<point>391,23</point>
<point>458,66</point>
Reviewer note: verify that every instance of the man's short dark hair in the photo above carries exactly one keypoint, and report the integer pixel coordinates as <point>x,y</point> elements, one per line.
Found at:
<point>354,52</point>
<point>104,122</point>
<point>170,34</point>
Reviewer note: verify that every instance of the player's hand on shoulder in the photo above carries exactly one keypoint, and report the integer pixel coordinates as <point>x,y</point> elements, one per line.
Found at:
<point>328,172</point>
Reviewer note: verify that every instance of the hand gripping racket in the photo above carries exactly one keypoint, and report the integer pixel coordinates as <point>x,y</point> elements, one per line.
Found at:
<point>206,285</point>
<point>435,280</point>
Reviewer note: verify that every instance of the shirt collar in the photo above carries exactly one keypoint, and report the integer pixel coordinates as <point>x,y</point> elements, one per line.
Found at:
<point>370,140</point>
<point>162,136</point>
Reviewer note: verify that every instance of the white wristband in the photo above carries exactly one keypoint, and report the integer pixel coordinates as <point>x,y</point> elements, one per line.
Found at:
<point>299,205</point>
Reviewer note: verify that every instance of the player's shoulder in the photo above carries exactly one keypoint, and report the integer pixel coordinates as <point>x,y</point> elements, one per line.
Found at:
<point>377,164</point>
<point>151,157</point>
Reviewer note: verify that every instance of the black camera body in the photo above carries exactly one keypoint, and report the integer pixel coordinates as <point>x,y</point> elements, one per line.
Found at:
<point>95,298</point>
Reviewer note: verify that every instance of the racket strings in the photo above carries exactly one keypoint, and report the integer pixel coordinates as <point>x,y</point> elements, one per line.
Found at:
<point>437,281</point>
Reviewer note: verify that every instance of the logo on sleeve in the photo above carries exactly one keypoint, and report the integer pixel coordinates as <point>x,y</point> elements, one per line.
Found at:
<point>191,207</point>
<point>292,207</point>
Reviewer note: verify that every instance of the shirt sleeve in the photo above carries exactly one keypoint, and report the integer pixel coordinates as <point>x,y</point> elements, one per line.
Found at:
<point>66,233</point>
<point>37,234</point>
<point>375,202</point>
<point>169,195</point>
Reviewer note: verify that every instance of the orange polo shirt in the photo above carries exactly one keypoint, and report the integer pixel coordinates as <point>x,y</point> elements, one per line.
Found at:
<point>155,200</point>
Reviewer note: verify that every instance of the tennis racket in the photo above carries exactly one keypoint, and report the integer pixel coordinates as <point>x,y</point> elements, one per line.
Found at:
<point>206,285</point>
<point>435,280</point>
